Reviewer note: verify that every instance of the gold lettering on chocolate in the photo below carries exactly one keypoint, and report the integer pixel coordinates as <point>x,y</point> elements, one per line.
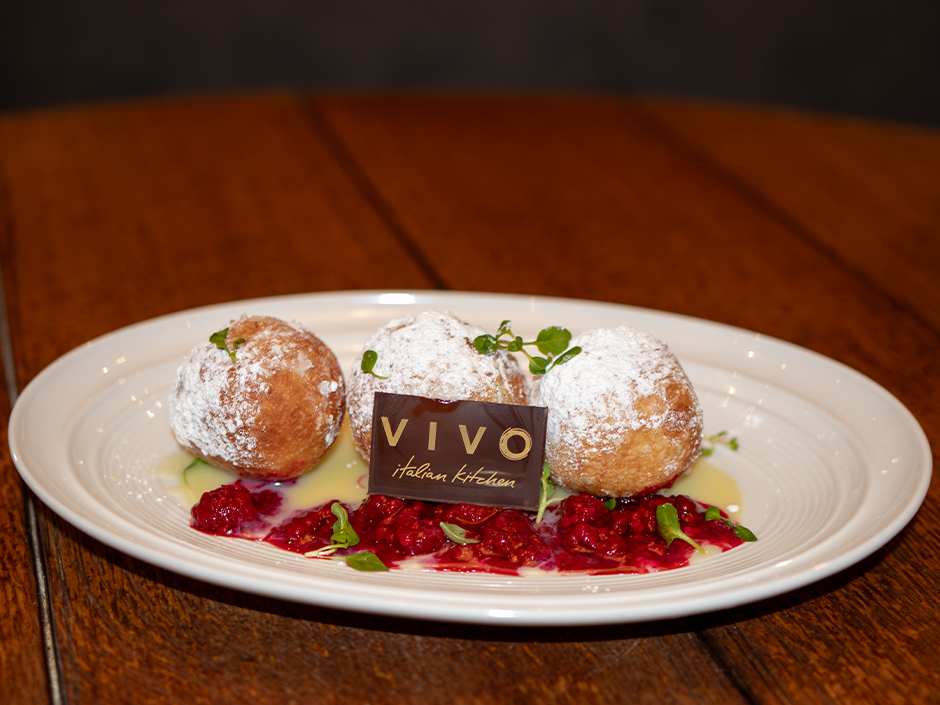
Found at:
<point>393,438</point>
<point>432,435</point>
<point>504,443</point>
<point>423,460</point>
<point>478,478</point>
<point>471,448</point>
<point>423,472</point>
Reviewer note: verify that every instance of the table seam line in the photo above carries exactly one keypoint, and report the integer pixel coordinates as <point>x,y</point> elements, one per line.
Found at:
<point>367,188</point>
<point>720,658</point>
<point>51,653</point>
<point>768,206</point>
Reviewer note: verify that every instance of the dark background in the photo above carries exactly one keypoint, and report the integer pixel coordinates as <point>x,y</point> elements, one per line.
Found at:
<point>874,59</point>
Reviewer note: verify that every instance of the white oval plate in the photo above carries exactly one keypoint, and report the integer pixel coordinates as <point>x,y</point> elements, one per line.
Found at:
<point>831,465</point>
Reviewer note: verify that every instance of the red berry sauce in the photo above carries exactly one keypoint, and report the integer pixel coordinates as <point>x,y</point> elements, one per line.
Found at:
<point>234,510</point>
<point>579,535</point>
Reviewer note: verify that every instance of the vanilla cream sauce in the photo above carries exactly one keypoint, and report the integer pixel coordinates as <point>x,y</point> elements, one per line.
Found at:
<point>343,474</point>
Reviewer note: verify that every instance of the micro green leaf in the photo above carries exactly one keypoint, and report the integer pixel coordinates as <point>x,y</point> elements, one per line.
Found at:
<point>553,340</point>
<point>723,437</point>
<point>365,561</point>
<point>538,365</point>
<point>344,536</point>
<point>567,356</point>
<point>457,534</point>
<point>369,358</point>
<point>219,339</point>
<point>667,523</point>
<point>546,492</point>
<point>485,344</point>
<point>714,513</point>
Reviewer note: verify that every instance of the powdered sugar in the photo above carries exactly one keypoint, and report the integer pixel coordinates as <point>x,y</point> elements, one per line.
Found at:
<point>617,367</point>
<point>624,382</point>
<point>431,354</point>
<point>216,403</point>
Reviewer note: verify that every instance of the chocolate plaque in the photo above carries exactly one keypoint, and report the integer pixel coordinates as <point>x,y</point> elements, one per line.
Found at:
<point>457,451</point>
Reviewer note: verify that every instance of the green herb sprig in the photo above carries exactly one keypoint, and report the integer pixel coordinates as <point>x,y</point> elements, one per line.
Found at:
<point>667,523</point>
<point>344,536</point>
<point>713,513</point>
<point>369,358</point>
<point>723,438</point>
<point>457,534</point>
<point>219,339</point>
<point>552,342</point>
<point>545,493</point>
<point>366,561</point>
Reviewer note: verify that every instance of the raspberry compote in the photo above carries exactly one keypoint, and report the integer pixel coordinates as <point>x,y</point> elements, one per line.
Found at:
<point>578,535</point>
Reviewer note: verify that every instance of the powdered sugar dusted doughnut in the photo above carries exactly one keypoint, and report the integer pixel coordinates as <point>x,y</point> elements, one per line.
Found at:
<point>430,354</point>
<point>273,412</point>
<point>623,418</point>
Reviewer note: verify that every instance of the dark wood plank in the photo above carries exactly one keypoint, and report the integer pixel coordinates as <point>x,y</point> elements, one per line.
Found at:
<point>130,632</point>
<point>22,663</point>
<point>119,214</point>
<point>588,198</point>
<point>23,677</point>
<point>580,198</point>
<point>869,196</point>
<point>170,639</point>
<point>868,192</point>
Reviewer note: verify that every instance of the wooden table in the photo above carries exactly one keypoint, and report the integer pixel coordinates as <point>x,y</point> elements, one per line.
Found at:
<point>822,232</point>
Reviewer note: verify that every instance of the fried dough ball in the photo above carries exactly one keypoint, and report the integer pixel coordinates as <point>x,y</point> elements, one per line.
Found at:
<point>272,412</point>
<point>430,354</point>
<point>623,418</point>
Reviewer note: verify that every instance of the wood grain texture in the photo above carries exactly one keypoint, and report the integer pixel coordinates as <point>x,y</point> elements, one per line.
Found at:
<point>120,213</point>
<point>868,196</point>
<point>583,198</point>
<point>867,192</point>
<point>170,639</point>
<point>23,676</point>
<point>128,632</point>
<point>614,208</point>
<point>22,664</point>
